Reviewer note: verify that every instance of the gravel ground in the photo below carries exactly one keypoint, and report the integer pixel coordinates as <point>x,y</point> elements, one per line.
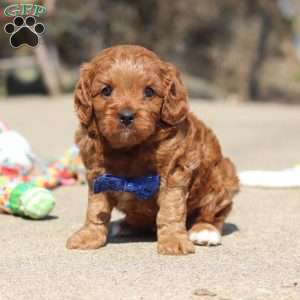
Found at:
<point>258,260</point>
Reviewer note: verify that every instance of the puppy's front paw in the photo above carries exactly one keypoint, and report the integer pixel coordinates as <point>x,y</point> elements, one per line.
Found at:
<point>86,238</point>
<point>176,246</point>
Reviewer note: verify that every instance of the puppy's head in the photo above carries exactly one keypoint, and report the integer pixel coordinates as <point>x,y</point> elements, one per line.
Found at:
<point>125,91</point>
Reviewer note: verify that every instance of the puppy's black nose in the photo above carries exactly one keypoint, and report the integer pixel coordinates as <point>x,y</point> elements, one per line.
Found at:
<point>126,117</point>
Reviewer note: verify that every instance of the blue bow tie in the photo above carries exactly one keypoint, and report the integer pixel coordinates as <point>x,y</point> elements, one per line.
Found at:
<point>142,187</point>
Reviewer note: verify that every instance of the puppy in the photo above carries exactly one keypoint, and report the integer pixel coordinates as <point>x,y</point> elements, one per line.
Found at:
<point>134,122</point>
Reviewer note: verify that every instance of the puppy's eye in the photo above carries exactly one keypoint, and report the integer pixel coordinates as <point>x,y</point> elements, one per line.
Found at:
<point>149,92</point>
<point>106,91</point>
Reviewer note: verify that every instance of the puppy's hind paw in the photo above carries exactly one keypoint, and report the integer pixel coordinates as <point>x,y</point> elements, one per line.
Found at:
<point>206,237</point>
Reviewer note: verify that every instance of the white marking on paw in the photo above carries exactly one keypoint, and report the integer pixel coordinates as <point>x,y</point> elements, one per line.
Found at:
<point>120,228</point>
<point>206,237</point>
<point>115,229</point>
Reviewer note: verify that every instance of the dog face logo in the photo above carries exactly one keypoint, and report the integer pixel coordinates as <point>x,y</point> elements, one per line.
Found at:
<point>24,31</point>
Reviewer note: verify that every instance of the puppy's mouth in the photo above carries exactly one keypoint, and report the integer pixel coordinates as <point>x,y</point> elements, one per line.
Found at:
<point>120,135</point>
<point>125,134</point>
<point>124,137</point>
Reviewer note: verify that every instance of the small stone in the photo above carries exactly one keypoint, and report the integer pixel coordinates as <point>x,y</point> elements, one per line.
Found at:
<point>204,292</point>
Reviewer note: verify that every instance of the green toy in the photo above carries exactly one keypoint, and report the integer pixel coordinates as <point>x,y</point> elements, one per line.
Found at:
<point>30,201</point>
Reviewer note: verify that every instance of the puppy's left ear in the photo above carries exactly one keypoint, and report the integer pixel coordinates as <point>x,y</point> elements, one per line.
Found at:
<point>175,106</point>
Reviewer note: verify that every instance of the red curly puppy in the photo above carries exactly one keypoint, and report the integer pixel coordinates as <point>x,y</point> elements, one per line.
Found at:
<point>135,121</point>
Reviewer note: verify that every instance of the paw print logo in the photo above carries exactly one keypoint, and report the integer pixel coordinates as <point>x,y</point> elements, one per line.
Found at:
<point>24,32</point>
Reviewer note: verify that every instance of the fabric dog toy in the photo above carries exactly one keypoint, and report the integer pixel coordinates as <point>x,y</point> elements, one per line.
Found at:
<point>287,178</point>
<point>15,151</point>
<point>27,200</point>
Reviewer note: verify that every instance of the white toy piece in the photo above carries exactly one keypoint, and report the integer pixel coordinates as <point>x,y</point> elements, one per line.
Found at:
<point>15,151</point>
<point>288,178</point>
<point>3,127</point>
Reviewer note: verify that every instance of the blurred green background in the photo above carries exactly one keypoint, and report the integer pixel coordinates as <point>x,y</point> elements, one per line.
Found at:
<point>226,49</point>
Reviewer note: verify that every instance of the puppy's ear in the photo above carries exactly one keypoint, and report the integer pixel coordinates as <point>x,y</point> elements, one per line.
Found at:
<point>83,101</point>
<point>175,105</point>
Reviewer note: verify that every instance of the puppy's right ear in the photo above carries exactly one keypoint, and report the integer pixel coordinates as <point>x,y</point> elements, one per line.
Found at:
<point>83,100</point>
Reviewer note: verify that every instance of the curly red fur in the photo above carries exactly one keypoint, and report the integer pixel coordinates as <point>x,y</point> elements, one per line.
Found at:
<point>197,182</point>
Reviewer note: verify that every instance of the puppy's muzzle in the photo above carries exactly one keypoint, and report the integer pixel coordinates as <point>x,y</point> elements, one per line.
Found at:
<point>126,117</point>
